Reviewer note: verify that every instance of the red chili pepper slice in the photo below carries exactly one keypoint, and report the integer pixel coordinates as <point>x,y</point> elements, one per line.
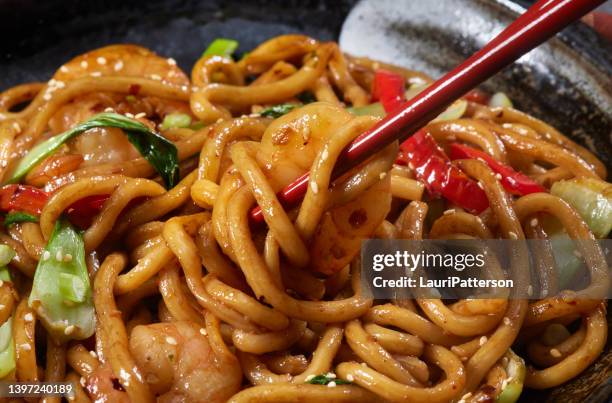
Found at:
<point>514,182</point>
<point>81,212</point>
<point>441,178</point>
<point>388,88</point>
<point>28,199</point>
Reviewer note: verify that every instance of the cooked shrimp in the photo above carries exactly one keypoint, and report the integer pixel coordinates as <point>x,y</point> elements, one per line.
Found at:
<point>288,148</point>
<point>291,142</point>
<point>180,363</point>
<point>115,60</point>
<point>53,166</point>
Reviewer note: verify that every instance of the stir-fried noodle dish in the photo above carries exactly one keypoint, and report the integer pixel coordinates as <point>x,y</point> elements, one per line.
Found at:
<point>132,267</point>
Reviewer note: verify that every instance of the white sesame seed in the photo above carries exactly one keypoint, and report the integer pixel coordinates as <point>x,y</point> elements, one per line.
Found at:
<point>534,222</point>
<point>498,176</point>
<point>171,61</point>
<point>482,340</point>
<point>330,375</point>
<point>332,384</point>
<point>101,60</point>
<point>2,306</point>
<point>25,347</point>
<point>119,65</point>
<point>480,185</point>
<point>82,382</point>
<point>512,235</point>
<point>59,256</point>
<point>96,74</point>
<point>363,364</point>
<point>203,331</point>
<point>507,321</point>
<point>129,115</point>
<point>411,166</point>
<point>171,341</point>
<point>109,110</point>
<point>67,257</point>
<point>46,255</point>
<point>350,378</point>
<point>47,96</point>
<point>449,211</point>
<point>16,126</point>
<point>84,64</point>
<point>156,77</point>
<point>140,115</point>
<point>315,187</point>
<point>185,88</point>
<point>28,317</point>
<point>555,353</point>
<point>309,378</point>
<point>64,69</point>
<point>382,175</point>
<point>69,330</point>
<point>93,354</point>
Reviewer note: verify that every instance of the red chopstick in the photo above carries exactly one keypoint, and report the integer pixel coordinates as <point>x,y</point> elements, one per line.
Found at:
<point>536,25</point>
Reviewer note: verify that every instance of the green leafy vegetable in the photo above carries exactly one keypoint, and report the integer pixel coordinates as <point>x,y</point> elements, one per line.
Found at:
<point>197,125</point>
<point>15,217</point>
<point>568,264</point>
<point>592,199</point>
<point>221,47</point>
<point>278,110</point>
<point>61,293</point>
<point>325,379</point>
<point>500,99</point>
<point>173,120</point>
<point>7,348</point>
<point>6,255</point>
<point>160,152</point>
<point>513,384</point>
<point>375,109</point>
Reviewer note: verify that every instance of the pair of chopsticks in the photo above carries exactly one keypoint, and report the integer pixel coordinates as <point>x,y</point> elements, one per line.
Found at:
<point>541,21</point>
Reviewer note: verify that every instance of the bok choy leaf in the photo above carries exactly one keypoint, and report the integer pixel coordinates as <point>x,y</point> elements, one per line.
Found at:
<point>156,149</point>
<point>61,294</point>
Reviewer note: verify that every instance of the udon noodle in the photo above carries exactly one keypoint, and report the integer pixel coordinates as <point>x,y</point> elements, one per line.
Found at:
<point>192,303</point>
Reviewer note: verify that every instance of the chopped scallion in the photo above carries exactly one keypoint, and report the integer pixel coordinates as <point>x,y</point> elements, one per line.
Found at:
<point>174,120</point>
<point>221,47</point>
